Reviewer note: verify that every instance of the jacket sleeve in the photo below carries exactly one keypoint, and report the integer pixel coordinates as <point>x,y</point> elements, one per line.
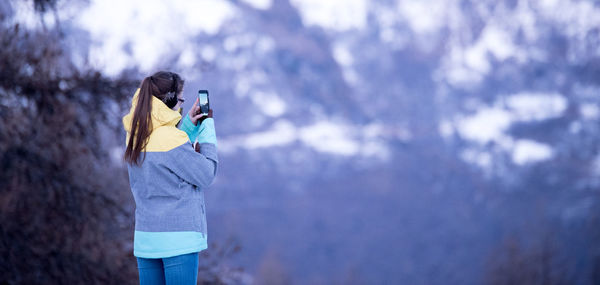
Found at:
<point>189,128</point>
<point>206,132</point>
<point>197,168</point>
<point>203,133</point>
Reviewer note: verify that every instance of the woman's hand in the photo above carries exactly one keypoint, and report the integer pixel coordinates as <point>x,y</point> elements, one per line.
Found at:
<point>195,114</point>
<point>205,116</point>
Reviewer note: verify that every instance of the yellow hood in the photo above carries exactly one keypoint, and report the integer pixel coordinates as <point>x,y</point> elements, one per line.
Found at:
<point>161,114</point>
<point>164,135</point>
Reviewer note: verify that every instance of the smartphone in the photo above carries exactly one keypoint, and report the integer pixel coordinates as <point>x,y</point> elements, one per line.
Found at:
<point>203,101</point>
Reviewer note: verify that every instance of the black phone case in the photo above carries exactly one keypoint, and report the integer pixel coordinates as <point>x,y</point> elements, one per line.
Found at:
<point>204,108</point>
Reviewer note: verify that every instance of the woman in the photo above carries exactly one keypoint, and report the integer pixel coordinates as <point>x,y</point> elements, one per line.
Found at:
<point>168,176</point>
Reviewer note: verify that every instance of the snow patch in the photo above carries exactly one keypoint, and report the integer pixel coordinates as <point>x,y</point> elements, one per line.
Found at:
<point>466,66</point>
<point>494,41</point>
<point>265,44</point>
<point>490,123</point>
<point>328,137</point>
<point>260,4</point>
<point>536,106</point>
<point>337,15</point>
<point>282,133</point>
<point>342,54</point>
<point>482,159</point>
<point>423,16</point>
<point>187,58</point>
<point>208,53</point>
<point>486,125</point>
<point>446,128</point>
<point>269,103</point>
<point>324,136</point>
<point>528,151</point>
<point>589,111</point>
<point>115,47</point>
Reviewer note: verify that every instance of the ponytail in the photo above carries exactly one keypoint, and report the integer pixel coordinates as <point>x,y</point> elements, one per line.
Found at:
<point>163,85</point>
<point>141,124</point>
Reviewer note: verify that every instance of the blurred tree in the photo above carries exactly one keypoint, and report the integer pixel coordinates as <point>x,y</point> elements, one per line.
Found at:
<point>213,269</point>
<point>540,263</point>
<point>271,271</point>
<point>59,222</point>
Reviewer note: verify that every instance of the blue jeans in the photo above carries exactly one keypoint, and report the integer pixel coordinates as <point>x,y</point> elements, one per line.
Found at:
<point>180,269</point>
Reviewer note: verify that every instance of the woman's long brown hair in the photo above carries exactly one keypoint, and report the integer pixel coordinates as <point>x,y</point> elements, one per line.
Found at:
<point>163,85</point>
